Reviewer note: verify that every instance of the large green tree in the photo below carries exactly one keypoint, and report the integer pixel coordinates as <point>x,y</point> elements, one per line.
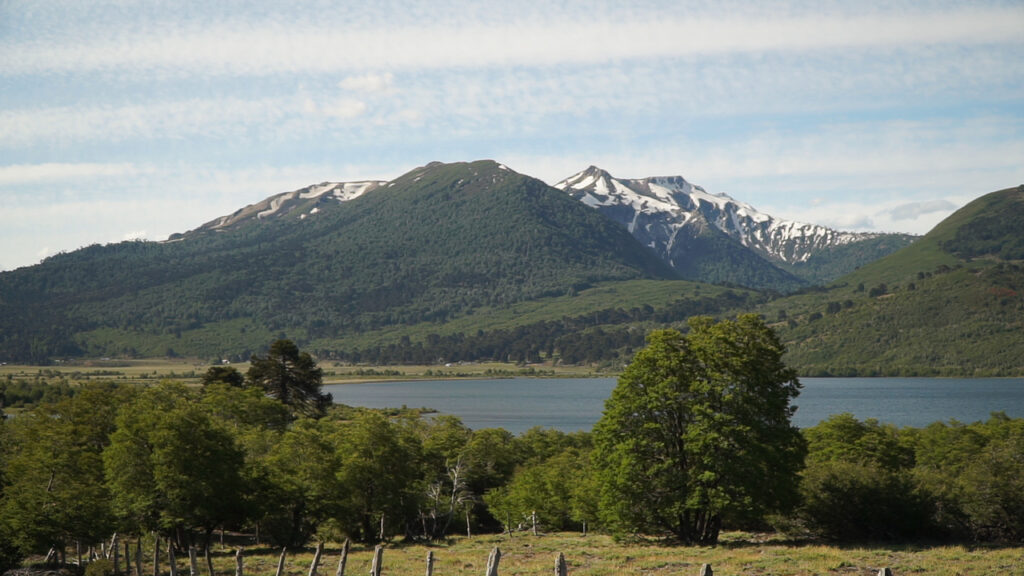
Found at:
<point>292,377</point>
<point>171,467</point>
<point>54,471</point>
<point>698,430</point>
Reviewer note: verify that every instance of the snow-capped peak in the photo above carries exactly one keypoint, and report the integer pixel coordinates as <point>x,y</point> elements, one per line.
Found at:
<point>656,209</point>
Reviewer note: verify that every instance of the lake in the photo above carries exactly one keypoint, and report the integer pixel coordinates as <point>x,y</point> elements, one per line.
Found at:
<point>571,404</point>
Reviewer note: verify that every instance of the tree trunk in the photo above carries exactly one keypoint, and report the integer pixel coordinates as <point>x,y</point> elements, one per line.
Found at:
<point>239,571</point>
<point>156,554</point>
<point>430,563</point>
<point>172,559</point>
<point>128,559</point>
<point>560,568</point>
<point>115,549</point>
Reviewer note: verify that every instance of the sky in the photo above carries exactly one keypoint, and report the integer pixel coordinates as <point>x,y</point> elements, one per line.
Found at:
<point>135,120</point>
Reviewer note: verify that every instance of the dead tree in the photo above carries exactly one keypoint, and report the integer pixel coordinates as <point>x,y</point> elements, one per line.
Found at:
<point>239,570</point>
<point>430,563</point>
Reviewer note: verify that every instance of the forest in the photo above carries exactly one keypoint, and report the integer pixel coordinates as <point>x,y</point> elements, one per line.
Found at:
<point>265,453</point>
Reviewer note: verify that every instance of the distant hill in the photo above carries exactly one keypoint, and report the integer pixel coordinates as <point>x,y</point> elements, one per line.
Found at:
<point>435,244</point>
<point>471,261</point>
<point>714,238</point>
<point>952,303</point>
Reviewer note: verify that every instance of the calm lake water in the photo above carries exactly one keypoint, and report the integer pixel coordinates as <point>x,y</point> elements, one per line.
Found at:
<point>571,404</point>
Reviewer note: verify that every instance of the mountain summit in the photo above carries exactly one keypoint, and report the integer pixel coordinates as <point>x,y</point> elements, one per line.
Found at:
<point>695,231</point>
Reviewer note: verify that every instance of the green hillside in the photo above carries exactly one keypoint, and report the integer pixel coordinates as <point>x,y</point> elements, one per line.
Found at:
<point>832,263</point>
<point>433,245</point>
<point>952,303</point>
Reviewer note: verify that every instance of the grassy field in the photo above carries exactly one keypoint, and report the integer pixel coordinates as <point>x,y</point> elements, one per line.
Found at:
<point>599,555</point>
<point>190,371</point>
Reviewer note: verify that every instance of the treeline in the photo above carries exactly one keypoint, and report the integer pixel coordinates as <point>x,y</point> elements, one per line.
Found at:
<point>184,462</point>
<point>603,335</point>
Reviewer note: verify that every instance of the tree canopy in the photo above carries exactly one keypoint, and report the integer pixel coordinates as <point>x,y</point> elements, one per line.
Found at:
<point>698,429</point>
<point>292,377</point>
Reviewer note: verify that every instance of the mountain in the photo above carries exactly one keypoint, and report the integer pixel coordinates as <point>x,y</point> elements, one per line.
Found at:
<point>952,303</point>
<point>304,202</point>
<point>317,264</point>
<point>714,238</point>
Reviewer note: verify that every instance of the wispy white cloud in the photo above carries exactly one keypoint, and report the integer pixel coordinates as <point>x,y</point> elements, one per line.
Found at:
<point>261,48</point>
<point>915,210</point>
<point>50,172</point>
<point>368,82</point>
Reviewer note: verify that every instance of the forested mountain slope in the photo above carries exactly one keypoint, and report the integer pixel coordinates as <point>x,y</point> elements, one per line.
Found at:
<point>952,303</point>
<point>431,245</point>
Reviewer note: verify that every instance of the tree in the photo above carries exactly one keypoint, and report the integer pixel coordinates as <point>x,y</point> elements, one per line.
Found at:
<point>380,475</point>
<point>55,493</point>
<point>698,430</point>
<point>223,374</point>
<point>292,377</point>
<point>170,466</point>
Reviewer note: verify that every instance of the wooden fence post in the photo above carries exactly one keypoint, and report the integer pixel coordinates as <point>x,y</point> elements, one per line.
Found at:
<point>209,560</point>
<point>560,568</point>
<point>430,563</point>
<point>705,570</point>
<point>239,568</point>
<point>280,562</point>
<point>156,554</point>
<point>115,548</point>
<point>316,558</point>
<point>344,559</point>
<point>492,562</point>
<point>138,556</point>
<point>193,562</point>
<point>171,558</point>
<point>378,561</point>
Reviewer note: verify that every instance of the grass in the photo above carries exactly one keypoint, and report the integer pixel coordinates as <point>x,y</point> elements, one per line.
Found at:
<point>190,371</point>
<point>600,555</point>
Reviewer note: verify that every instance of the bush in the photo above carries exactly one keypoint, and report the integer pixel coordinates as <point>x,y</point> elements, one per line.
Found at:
<point>863,502</point>
<point>100,567</point>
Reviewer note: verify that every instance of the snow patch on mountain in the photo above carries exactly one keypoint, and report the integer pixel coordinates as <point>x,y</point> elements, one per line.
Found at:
<point>309,201</point>
<point>657,210</point>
